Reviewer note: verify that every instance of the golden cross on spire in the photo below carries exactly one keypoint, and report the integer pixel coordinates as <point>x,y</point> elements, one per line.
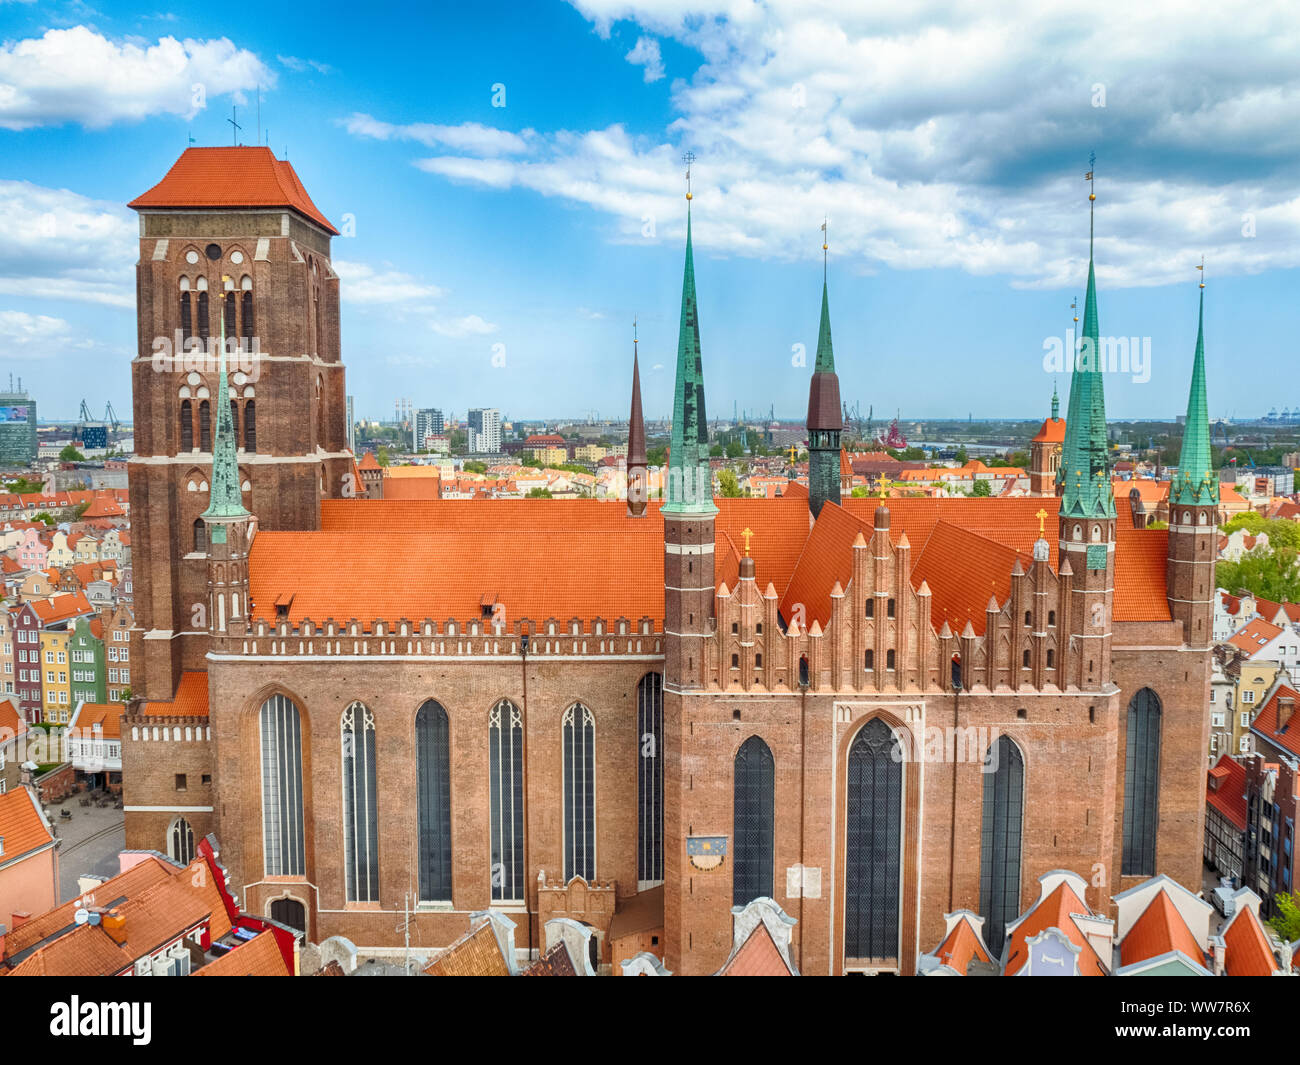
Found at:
<point>688,158</point>
<point>793,450</point>
<point>1042,518</point>
<point>746,533</point>
<point>1202,269</point>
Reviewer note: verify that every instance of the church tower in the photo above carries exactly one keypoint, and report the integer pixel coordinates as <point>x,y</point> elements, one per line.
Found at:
<point>228,526</point>
<point>825,420</point>
<point>1045,453</point>
<point>638,483</point>
<point>228,232</point>
<point>688,514</point>
<point>1087,514</point>
<point>1194,512</point>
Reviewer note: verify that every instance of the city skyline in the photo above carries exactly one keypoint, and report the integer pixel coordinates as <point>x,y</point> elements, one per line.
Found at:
<point>486,245</point>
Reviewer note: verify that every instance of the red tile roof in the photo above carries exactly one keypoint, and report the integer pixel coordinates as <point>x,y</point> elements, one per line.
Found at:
<point>22,827</point>
<point>757,956</point>
<point>555,962</point>
<point>191,699</point>
<point>1254,635</point>
<point>1052,432</point>
<point>108,716</point>
<point>1246,948</point>
<point>1266,721</point>
<point>477,953</point>
<point>85,951</point>
<point>369,462</point>
<point>961,946</point>
<point>12,724</point>
<point>1055,911</point>
<point>260,956</point>
<point>1226,790</point>
<point>61,608</point>
<point>1158,931</point>
<point>232,177</point>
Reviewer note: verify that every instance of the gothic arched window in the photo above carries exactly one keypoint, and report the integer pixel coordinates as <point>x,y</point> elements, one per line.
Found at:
<point>282,820</point>
<point>650,780</point>
<point>433,789</point>
<point>1003,817</point>
<point>1141,784</point>
<point>187,311</point>
<point>873,844</point>
<point>205,425</point>
<point>360,805</point>
<point>753,822</point>
<point>203,327</point>
<point>180,842</point>
<point>246,310</point>
<point>506,794</point>
<point>579,732</point>
<point>250,426</point>
<point>187,425</point>
<point>200,536</point>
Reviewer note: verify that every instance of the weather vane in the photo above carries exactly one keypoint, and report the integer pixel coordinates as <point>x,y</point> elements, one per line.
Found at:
<point>688,159</point>
<point>1202,269</point>
<point>825,246</point>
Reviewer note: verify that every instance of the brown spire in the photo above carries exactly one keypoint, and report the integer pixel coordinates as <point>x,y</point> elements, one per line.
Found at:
<point>637,476</point>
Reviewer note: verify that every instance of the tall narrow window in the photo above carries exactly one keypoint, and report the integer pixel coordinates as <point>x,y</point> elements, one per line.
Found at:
<point>205,425</point>
<point>230,315</point>
<point>873,844</point>
<point>180,843</point>
<point>246,309</point>
<point>433,790</point>
<point>360,805</point>
<point>579,731</point>
<point>250,426</point>
<point>506,794</point>
<point>650,780</point>
<point>200,536</point>
<point>1003,816</point>
<point>187,316</point>
<point>282,820</point>
<point>1141,784</point>
<point>187,425</point>
<point>753,816</point>
<point>204,330</point>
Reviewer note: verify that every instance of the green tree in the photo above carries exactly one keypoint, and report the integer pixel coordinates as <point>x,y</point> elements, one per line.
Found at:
<point>981,488</point>
<point>381,456</point>
<point>716,451</point>
<point>729,485</point>
<point>962,457</point>
<point>734,449</point>
<point>1286,922</point>
<point>1270,574</point>
<point>861,492</point>
<point>71,454</point>
<point>474,466</point>
<point>46,517</point>
<point>539,493</point>
<point>81,510</point>
<point>22,486</point>
<point>656,456</point>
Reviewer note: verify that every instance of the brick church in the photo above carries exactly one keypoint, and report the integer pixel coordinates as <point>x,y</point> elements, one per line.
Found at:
<point>396,713</point>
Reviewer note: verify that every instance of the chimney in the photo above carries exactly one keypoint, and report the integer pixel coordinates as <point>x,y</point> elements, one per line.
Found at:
<point>115,925</point>
<point>19,918</point>
<point>1285,708</point>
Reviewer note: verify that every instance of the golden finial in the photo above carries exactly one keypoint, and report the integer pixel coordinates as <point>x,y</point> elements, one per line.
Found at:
<point>688,159</point>
<point>1202,269</point>
<point>634,329</point>
<point>1074,306</point>
<point>1042,517</point>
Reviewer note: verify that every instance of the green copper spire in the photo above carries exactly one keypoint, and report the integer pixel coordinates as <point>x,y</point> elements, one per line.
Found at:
<point>690,482</point>
<point>825,354</point>
<point>1056,404</point>
<point>1196,483</point>
<point>1085,458</point>
<point>225,499</point>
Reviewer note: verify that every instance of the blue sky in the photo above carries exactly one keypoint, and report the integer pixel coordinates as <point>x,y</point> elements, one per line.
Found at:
<point>946,145</point>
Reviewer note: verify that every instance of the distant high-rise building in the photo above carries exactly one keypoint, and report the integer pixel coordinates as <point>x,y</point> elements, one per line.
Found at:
<point>484,430</point>
<point>17,428</point>
<point>352,428</point>
<point>428,422</point>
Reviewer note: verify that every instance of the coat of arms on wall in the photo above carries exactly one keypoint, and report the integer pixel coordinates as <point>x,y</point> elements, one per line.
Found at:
<point>706,852</point>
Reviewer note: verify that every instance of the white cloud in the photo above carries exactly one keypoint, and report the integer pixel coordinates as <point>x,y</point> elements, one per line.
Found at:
<point>56,244</point>
<point>299,66</point>
<point>645,53</point>
<point>362,283</point>
<point>469,325</point>
<point>79,75</point>
<point>466,137</point>
<point>34,336</point>
<point>948,137</point>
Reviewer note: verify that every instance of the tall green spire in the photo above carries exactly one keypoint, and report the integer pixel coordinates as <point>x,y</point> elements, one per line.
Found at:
<point>1056,404</point>
<point>825,354</point>
<point>1196,483</point>
<point>225,500</point>
<point>1085,458</point>
<point>690,482</point>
